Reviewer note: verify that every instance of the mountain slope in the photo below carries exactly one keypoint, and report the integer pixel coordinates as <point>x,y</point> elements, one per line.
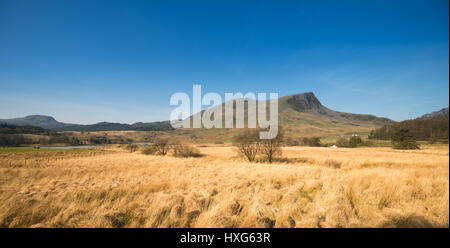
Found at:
<point>300,115</point>
<point>304,115</point>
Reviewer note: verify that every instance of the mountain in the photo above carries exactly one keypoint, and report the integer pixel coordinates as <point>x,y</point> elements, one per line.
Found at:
<point>50,123</point>
<point>308,103</point>
<point>42,121</point>
<point>300,115</point>
<point>441,112</point>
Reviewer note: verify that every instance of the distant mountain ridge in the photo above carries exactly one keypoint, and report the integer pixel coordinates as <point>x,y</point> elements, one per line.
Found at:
<point>49,122</point>
<point>441,112</point>
<point>110,126</point>
<point>299,114</point>
<point>43,121</point>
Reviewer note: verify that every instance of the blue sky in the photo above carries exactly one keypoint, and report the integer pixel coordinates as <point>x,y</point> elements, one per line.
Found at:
<point>92,61</point>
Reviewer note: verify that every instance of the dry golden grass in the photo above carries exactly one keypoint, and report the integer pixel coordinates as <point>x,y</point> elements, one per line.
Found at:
<point>311,187</point>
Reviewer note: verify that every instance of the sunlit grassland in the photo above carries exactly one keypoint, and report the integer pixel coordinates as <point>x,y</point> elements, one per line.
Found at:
<point>31,149</point>
<point>310,187</point>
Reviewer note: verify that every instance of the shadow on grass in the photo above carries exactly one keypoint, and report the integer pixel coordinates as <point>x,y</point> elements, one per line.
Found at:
<point>409,221</point>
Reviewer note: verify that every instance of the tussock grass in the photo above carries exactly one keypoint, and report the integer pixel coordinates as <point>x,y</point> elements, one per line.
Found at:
<point>333,164</point>
<point>219,189</point>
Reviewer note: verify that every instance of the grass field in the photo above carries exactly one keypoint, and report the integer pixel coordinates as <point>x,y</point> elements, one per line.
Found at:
<point>310,187</point>
<point>31,149</point>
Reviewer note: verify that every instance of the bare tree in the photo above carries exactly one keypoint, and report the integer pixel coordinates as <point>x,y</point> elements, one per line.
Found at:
<point>131,147</point>
<point>161,146</point>
<point>271,148</point>
<point>247,144</point>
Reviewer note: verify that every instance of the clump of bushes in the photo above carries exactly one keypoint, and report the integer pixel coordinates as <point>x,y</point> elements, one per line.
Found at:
<point>131,147</point>
<point>305,141</point>
<point>313,141</point>
<point>291,142</point>
<point>342,142</point>
<point>352,142</point>
<point>184,151</point>
<point>403,139</point>
<point>368,143</point>
<point>162,147</point>
<point>149,150</point>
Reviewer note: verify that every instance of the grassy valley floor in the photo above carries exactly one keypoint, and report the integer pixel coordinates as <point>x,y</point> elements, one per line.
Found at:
<point>309,187</point>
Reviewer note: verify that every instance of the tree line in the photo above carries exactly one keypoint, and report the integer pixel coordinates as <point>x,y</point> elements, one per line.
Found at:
<point>14,140</point>
<point>11,135</point>
<point>431,129</point>
<point>12,129</point>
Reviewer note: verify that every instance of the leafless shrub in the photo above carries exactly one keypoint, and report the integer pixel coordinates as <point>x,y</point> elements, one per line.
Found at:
<point>184,151</point>
<point>161,147</point>
<point>271,148</point>
<point>247,144</point>
<point>131,147</point>
<point>149,150</point>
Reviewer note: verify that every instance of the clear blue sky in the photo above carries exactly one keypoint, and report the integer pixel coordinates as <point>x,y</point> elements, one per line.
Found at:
<point>92,61</point>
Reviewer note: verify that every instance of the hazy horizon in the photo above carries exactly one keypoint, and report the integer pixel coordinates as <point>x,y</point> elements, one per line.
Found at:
<point>75,122</point>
